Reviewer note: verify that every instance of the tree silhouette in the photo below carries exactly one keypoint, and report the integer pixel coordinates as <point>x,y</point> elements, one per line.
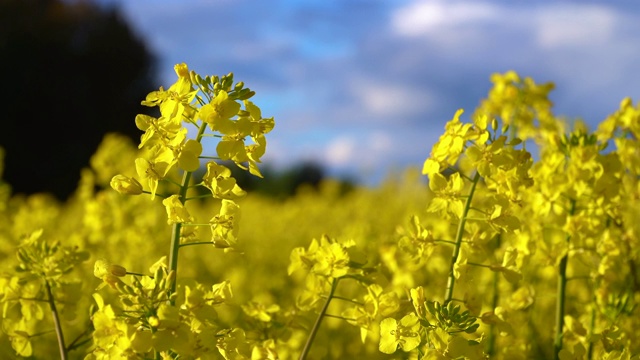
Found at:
<point>71,72</point>
<point>286,182</point>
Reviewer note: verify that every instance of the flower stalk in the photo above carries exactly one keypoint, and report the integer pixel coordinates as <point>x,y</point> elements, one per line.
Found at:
<point>561,293</point>
<point>316,325</point>
<point>458,242</point>
<point>175,232</point>
<point>56,321</point>
<point>491,347</point>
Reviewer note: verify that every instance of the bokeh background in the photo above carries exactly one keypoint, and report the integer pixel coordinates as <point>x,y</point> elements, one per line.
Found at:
<point>359,88</point>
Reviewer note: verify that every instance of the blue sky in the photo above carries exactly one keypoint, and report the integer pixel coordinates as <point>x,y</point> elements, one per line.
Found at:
<point>364,87</point>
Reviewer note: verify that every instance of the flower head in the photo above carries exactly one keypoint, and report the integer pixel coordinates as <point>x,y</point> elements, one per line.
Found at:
<point>403,333</point>
<point>126,185</point>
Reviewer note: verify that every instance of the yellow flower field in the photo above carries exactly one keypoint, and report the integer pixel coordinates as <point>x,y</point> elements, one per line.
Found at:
<point>517,238</point>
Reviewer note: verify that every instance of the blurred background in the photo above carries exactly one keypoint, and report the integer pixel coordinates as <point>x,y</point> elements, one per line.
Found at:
<point>359,88</point>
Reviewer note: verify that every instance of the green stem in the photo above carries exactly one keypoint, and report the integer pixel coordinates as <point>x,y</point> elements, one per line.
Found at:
<point>316,326</point>
<point>340,317</point>
<point>208,157</point>
<point>561,293</point>
<point>41,333</point>
<point>197,243</point>
<point>460,233</point>
<point>592,325</point>
<point>562,283</point>
<point>175,232</point>
<point>76,343</point>
<point>56,322</point>
<point>204,196</point>
<point>445,242</point>
<point>491,348</point>
<point>173,255</point>
<point>138,274</point>
<point>479,265</point>
<point>348,300</point>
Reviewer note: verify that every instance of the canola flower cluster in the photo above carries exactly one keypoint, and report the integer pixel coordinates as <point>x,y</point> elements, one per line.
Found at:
<point>522,243</point>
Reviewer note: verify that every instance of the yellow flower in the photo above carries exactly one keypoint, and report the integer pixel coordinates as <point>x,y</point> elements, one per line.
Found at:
<point>403,333</point>
<point>176,212</point>
<point>219,111</point>
<point>182,70</point>
<point>189,154</point>
<point>103,267</point>
<point>260,311</point>
<point>218,179</point>
<point>451,144</point>
<point>331,258</point>
<point>447,194</point>
<point>126,185</point>
<point>109,273</point>
<point>224,226</point>
<point>155,169</point>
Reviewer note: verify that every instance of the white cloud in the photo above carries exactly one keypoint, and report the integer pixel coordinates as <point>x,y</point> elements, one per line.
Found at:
<point>550,25</point>
<point>353,151</point>
<point>341,151</point>
<point>390,100</point>
<point>574,25</point>
<point>380,143</point>
<point>432,16</point>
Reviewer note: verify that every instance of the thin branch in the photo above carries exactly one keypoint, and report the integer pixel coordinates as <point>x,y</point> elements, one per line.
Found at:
<point>56,322</point>
<point>316,326</point>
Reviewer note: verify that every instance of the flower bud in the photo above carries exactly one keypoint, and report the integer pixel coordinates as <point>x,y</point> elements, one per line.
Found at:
<point>117,270</point>
<point>102,267</point>
<point>494,124</point>
<point>126,185</point>
<point>114,282</point>
<point>182,70</point>
<point>154,321</point>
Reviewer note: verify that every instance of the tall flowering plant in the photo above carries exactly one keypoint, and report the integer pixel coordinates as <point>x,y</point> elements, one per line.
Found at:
<point>153,309</point>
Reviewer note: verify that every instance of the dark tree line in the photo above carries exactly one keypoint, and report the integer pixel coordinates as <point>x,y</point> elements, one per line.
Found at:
<point>285,183</point>
<point>71,72</point>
